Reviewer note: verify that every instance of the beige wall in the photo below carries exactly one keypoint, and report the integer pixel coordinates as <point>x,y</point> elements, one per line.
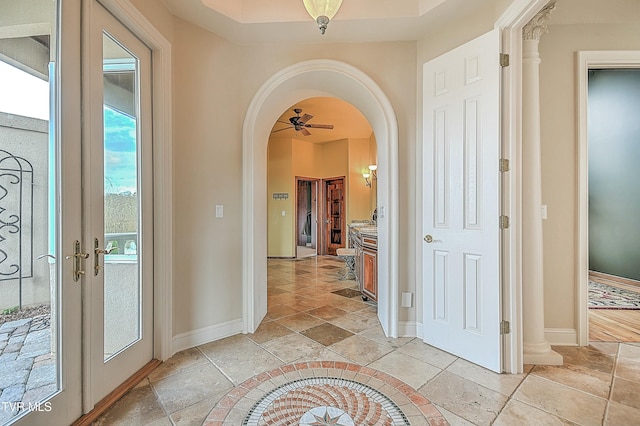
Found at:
<point>288,158</point>
<point>207,161</point>
<point>158,15</point>
<point>307,158</point>
<point>359,201</point>
<point>373,159</point>
<point>214,82</point>
<point>559,153</point>
<point>280,179</point>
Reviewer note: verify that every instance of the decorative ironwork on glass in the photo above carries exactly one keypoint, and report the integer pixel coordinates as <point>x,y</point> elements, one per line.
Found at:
<point>16,219</point>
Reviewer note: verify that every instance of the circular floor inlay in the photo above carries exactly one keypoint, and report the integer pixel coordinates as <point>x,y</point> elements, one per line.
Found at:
<point>322,393</point>
<point>326,416</point>
<point>294,403</point>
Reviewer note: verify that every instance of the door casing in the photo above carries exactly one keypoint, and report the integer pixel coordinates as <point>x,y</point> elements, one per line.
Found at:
<point>315,223</point>
<point>586,60</point>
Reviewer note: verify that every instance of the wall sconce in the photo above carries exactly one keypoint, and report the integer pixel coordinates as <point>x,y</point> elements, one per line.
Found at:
<point>371,176</point>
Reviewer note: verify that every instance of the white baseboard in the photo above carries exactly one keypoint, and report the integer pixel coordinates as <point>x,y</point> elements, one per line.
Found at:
<point>555,336</point>
<point>561,336</point>
<point>204,335</point>
<point>409,329</point>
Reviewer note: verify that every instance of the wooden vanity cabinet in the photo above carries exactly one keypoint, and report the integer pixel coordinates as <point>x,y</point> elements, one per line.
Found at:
<point>366,267</point>
<point>369,286</point>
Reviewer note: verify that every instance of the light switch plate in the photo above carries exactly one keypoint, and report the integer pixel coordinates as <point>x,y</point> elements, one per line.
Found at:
<point>219,211</point>
<point>407,300</point>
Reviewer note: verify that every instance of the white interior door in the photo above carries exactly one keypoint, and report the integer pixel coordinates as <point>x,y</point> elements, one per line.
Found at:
<point>461,250</point>
<point>117,181</point>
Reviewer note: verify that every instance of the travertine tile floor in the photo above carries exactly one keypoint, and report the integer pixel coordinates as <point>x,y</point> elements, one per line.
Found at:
<point>307,321</point>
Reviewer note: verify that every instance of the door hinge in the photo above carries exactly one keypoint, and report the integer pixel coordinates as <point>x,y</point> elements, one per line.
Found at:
<point>504,222</point>
<point>505,327</point>
<point>504,165</point>
<point>504,60</point>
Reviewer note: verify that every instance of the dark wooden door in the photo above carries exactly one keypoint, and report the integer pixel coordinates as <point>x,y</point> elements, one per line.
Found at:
<point>335,232</point>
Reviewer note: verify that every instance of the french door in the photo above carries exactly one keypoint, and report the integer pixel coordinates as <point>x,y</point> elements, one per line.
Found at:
<point>75,208</point>
<point>117,203</point>
<point>40,217</point>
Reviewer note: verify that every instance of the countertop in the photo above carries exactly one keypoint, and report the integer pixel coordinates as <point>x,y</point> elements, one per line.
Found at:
<point>364,229</point>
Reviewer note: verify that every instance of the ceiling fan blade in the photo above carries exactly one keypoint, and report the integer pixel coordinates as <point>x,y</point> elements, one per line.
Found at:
<point>305,118</point>
<point>319,126</point>
<point>279,130</point>
<point>305,131</point>
<point>283,122</point>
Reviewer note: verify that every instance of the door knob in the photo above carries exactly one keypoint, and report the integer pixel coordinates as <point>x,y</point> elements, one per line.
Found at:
<point>428,239</point>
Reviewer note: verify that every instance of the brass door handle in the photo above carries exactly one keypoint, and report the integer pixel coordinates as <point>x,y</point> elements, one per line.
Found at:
<point>97,251</point>
<point>428,239</point>
<point>77,256</point>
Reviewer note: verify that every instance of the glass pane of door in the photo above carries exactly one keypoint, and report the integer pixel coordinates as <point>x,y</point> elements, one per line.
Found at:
<point>29,295</point>
<point>122,289</point>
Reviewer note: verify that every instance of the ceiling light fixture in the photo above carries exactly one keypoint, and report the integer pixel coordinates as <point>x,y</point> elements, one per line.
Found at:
<point>322,11</point>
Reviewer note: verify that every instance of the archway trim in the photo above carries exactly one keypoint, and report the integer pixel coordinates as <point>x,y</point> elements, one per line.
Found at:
<point>320,77</point>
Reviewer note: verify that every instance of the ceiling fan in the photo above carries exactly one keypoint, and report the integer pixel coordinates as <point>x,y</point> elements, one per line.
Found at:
<point>300,123</point>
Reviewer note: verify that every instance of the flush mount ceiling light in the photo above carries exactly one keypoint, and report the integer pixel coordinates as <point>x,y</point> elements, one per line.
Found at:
<point>322,11</point>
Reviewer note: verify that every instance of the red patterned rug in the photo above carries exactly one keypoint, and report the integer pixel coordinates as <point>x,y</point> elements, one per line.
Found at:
<point>324,393</point>
<point>603,296</point>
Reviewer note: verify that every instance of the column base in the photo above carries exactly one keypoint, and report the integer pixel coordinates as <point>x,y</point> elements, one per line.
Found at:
<point>541,355</point>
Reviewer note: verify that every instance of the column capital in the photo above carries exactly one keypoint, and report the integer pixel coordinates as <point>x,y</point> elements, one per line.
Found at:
<point>538,24</point>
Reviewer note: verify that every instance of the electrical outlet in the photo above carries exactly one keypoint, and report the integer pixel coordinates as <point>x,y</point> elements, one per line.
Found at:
<point>219,211</point>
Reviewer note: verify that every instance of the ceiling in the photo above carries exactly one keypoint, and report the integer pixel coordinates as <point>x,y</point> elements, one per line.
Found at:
<point>348,121</point>
<point>286,21</point>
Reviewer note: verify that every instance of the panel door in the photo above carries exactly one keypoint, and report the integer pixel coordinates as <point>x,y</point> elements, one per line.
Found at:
<point>335,232</point>
<point>461,249</point>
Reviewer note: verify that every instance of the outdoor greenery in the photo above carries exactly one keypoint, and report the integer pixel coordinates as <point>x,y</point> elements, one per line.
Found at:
<point>10,310</point>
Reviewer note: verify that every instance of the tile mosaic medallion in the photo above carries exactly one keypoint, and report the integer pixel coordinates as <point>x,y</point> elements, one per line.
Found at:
<point>324,393</point>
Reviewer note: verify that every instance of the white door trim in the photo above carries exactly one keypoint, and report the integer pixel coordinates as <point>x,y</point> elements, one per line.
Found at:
<point>320,77</point>
<point>512,21</point>
<point>586,60</point>
<point>133,19</point>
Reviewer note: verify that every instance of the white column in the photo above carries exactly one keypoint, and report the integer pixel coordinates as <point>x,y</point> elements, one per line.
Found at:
<point>536,348</point>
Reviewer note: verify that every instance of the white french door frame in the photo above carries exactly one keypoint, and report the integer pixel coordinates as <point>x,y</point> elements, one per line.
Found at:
<point>160,47</point>
<point>101,377</point>
<point>586,60</point>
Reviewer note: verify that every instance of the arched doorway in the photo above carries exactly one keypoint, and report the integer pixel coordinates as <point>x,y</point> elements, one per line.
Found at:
<point>300,81</point>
